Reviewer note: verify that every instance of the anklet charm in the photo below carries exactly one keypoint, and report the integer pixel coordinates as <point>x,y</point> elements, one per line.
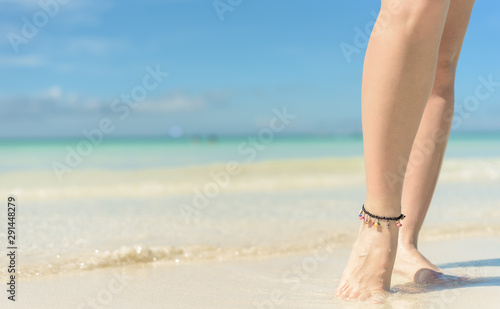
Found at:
<point>374,220</point>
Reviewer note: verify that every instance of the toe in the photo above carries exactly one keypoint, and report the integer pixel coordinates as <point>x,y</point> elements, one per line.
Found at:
<point>377,297</point>
<point>364,296</point>
<point>342,287</point>
<point>345,293</point>
<point>338,291</point>
<point>354,295</point>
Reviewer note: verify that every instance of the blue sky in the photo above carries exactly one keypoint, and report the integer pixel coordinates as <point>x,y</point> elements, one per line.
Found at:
<point>225,76</point>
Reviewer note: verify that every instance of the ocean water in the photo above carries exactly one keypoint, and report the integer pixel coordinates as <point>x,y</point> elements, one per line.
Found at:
<point>154,201</point>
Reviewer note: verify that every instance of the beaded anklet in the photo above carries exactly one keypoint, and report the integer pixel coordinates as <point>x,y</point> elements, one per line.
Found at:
<point>374,220</point>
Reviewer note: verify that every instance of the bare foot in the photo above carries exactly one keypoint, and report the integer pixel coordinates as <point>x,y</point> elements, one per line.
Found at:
<point>414,266</point>
<point>367,276</point>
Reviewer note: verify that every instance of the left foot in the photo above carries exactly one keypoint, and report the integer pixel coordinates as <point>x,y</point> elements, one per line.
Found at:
<point>367,276</point>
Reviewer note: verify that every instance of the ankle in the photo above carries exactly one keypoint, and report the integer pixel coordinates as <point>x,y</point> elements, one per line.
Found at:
<point>406,244</point>
<point>408,238</point>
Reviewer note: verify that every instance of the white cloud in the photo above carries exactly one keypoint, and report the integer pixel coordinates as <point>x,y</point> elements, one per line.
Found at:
<point>34,4</point>
<point>54,92</point>
<point>177,102</point>
<point>22,3</point>
<point>94,45</point>
<point>53,103</point>
<point>21,61</point>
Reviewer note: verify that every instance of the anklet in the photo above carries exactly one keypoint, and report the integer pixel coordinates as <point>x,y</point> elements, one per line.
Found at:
<point>374,220</point>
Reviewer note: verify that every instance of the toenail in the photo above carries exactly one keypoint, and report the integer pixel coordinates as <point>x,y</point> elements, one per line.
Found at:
<point>377,300</point>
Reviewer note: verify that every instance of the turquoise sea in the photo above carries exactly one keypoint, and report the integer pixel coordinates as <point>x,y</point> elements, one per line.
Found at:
<point>135,153</point>
<point>150,200</point>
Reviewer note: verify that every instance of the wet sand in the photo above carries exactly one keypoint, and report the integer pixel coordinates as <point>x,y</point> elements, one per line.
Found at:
<point>305,280</point>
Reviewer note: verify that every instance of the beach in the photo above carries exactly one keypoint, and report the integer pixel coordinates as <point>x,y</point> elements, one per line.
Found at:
<point>259,283</point>
<point>203,225</point>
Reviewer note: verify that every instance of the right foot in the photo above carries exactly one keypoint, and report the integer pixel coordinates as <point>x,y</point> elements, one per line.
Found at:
<point>367,276</point>
<point>411,264</point>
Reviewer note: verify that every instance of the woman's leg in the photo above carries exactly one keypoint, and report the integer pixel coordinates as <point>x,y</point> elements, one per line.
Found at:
<point>430,143</point>
<point>398,74</point>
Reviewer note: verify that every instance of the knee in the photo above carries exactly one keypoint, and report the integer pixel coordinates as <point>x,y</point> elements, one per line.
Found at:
<point>444,82</point>
<point>417,8</point>
<point>447,63</point>
<point>414,13</point>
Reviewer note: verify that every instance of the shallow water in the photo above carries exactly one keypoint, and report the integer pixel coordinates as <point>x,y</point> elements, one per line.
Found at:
<point>130,203</point>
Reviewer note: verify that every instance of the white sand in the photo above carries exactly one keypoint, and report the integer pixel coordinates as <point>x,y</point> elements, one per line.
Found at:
<point>266,283</point>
